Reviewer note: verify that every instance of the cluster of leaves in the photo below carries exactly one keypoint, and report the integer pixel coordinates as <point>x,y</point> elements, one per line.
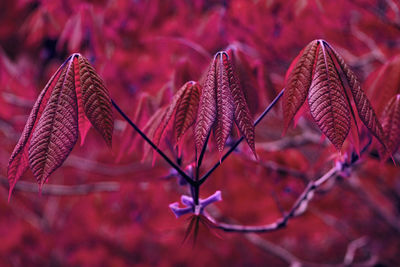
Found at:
<point>150,45</point>
<point>321,74</point>
<point>215,105</point>
<point>221,103</point>
<point>183,108</point>
<point>74,99</point>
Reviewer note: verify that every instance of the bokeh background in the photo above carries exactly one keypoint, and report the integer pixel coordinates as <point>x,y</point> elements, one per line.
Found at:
<point>109,207</point>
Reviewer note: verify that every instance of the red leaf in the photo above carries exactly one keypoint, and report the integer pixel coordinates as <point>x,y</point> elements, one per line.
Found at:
<point>247,80</point>
<point>298,82</point>
<point>332,103</point>
<point>169,112</point>
<point>95,100</point>
<point>52,127</point>
<point>222,99</point>
<point>391,125</point>
<point>364,108</point>
<point>242,113</point>
<point>225,105</point>
<point>207,112</point>
<point>18,162</point>
<point>57,129</point>
<point>83,121</point>
<point>327,100</point>
<point>186,110</point>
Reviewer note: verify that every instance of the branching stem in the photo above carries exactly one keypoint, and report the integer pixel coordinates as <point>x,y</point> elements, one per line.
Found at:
<point>196,182</point>
<point>301,202</point>
<point>156,148</point>
<point>257,121</point>
<point>298,207</point>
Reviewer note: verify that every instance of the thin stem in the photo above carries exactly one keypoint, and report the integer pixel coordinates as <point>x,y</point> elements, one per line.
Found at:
<point>144,136</point>
<point>203,151</point>
<point>196,188</point>
<point>298,207</point>
<point>270,106</point>
<point>257,121</point>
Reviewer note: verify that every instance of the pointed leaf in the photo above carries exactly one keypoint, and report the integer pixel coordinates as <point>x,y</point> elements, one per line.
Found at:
<point>169,112</point>
<point>18,162</point>
<point>57,129</point>
<point>391,125</point>
<point>206,114</point>
<point>247,80</point>
<point>83,121</point>
<point>95,100</point>
<point>298,82</point>
<point>225,105</point>
<point>242,113</point>
<point>186,110</point>
<point>327,101</point>
<point>364,108</point>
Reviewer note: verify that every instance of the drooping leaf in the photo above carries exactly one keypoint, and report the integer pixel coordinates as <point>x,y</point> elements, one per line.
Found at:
<point>186,110</point>
<point>245,75</point>
<point>207,111</point>
<point>298,82</point>
<point>72,94</point>
<point>96,100</point>
<point>57,130</point>
<point>18,162</point>
<point>169,112</point>
<point>334,95</point>
<point>225,105</point>
<point>327,100</point>
<point>391,126</point>
<point>83,122</point>
<point>242,113</point>
<point>223,102</point>
<point>365,111</point>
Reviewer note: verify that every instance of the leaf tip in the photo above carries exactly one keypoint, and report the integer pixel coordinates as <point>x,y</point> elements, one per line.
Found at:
<point>10,192</point>
<point>255,154</point>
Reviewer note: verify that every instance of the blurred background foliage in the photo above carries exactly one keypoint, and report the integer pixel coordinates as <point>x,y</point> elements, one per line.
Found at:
<point>99,211</point>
